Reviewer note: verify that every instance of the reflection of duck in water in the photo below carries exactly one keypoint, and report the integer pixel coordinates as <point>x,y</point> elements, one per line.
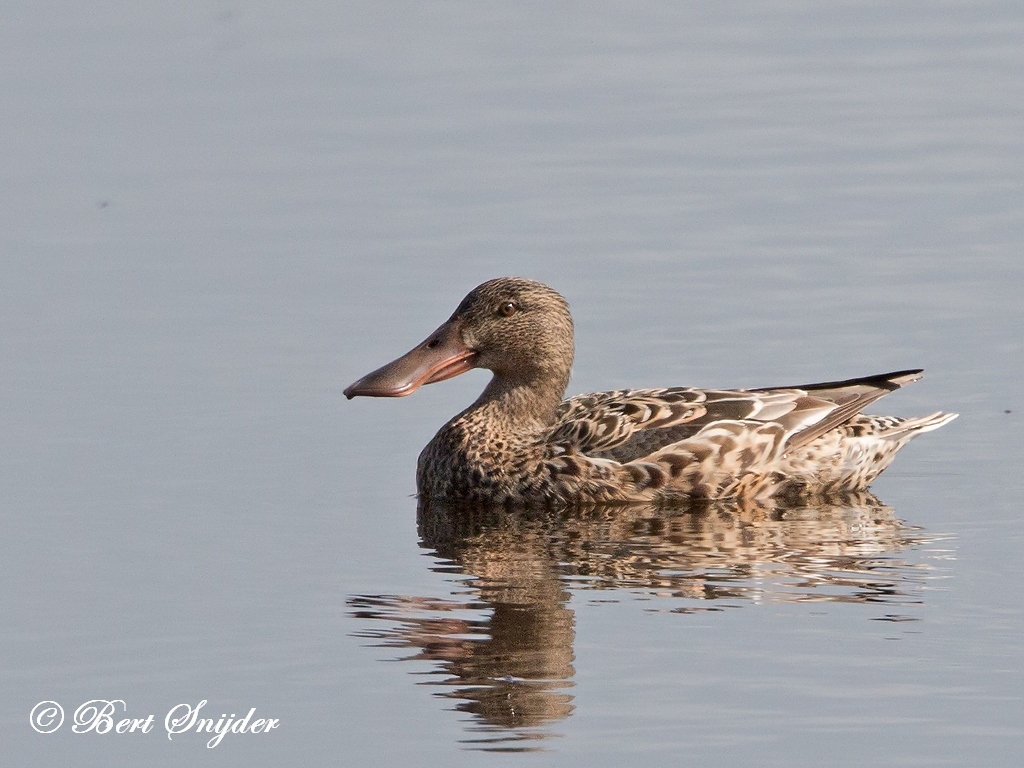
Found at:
<point>715,550</point>
<point>520,443</point>
<point>503,643</point>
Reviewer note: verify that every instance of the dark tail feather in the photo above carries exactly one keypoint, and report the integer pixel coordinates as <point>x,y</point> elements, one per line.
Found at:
<point>889,382</point>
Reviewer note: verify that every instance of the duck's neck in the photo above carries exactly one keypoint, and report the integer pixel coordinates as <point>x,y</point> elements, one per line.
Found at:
<point>520,405</point>
<point>498,438</point>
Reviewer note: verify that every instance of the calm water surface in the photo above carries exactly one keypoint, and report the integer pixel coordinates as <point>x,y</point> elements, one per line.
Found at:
<point>216,217</point>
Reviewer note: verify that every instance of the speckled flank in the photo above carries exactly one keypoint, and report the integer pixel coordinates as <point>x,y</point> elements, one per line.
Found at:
<point>519,443</point>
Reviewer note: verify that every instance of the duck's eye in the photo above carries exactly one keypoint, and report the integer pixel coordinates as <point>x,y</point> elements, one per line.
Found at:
<point>508,308</point>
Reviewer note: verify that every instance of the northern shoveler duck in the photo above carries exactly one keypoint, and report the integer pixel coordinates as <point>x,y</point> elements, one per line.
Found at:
<point>520,443</point>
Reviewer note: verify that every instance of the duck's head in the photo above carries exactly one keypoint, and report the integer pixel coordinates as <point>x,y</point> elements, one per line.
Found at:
<point>519,329</point>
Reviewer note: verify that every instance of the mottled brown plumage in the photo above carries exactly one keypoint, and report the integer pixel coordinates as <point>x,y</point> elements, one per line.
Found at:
<point>519,443</point>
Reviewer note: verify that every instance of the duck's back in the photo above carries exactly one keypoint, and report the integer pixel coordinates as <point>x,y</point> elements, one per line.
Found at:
<point>715,443</point>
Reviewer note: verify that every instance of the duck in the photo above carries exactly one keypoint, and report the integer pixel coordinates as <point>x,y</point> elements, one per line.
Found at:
<point>521,444</point>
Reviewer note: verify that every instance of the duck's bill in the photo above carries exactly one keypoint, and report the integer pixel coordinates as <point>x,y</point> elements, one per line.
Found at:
<point>442,356</point>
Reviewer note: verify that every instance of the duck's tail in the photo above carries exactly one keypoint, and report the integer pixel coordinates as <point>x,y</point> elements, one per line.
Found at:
<point>910,428</point>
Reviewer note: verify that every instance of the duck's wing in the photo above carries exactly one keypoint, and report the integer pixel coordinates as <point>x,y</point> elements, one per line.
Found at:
<point>847,398</point>
<point>626,425</point>
<point>629,423</point>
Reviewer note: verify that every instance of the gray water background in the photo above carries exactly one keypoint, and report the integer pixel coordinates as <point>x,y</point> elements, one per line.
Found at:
<point>213,217</point>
